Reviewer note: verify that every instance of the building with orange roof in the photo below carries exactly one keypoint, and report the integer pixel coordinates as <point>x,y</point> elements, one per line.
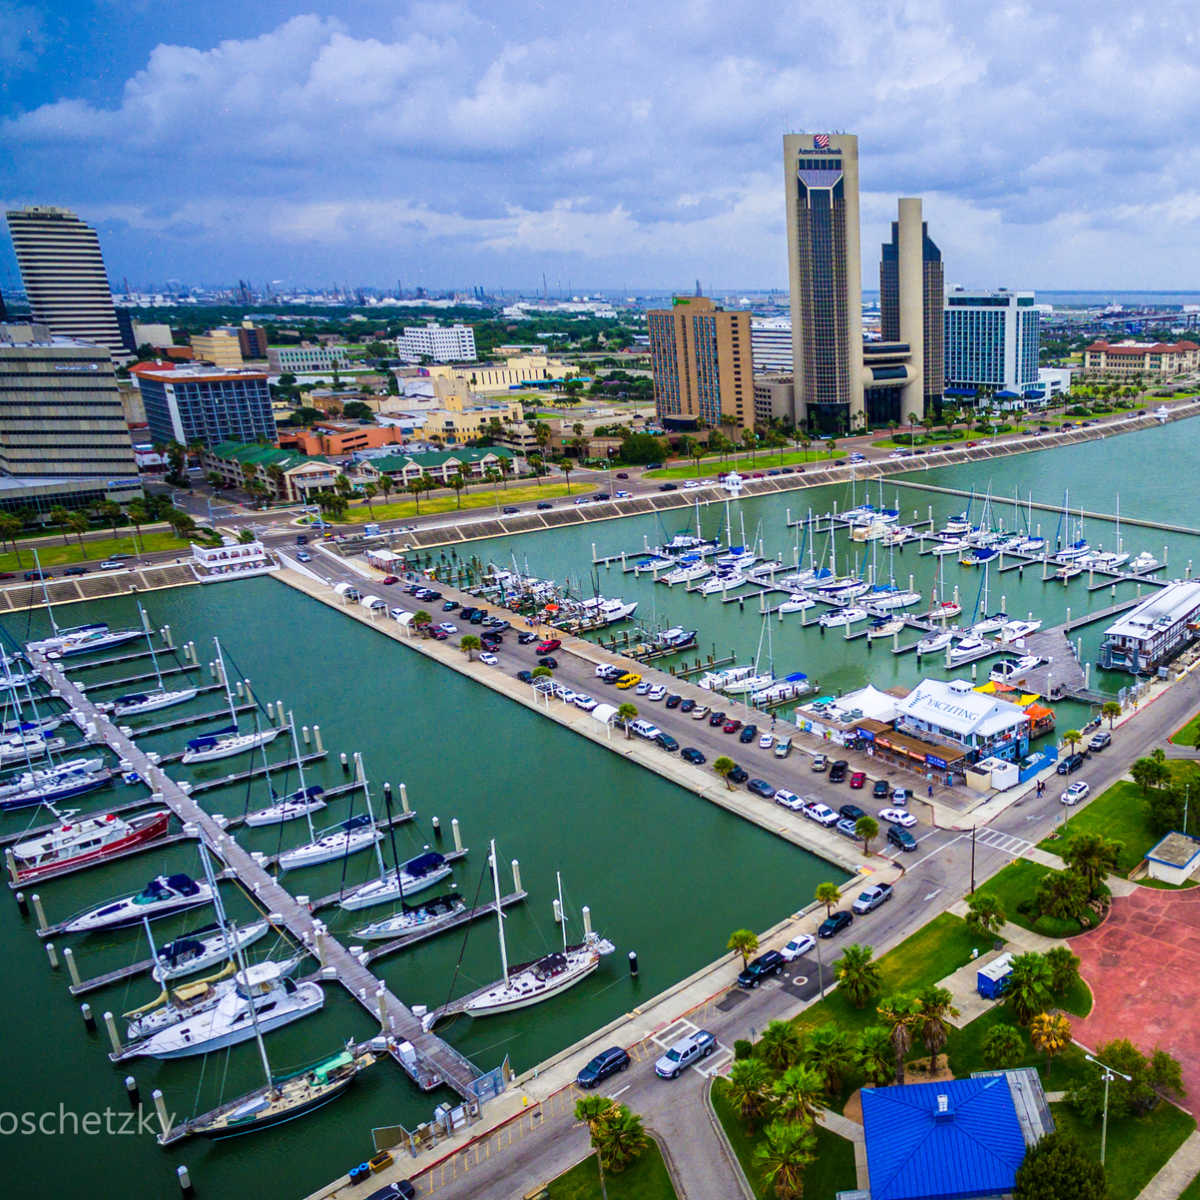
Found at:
<point>1123,360</point>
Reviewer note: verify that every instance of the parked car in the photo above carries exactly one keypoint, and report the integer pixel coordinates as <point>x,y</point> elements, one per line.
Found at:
<point>871,898</point>
<point>879,789</point>
<point>76,571</point>
<point>543,504</point>
<point>548,660</point>
<point>667,742</point>
<point>447,627</point>
<point>449,605</point>
<point>847,828</point>
<point>667,487</point>
<point>628,680</point>
<point>527,637</point>
<point>549,645</point>
<point>819,762</point>
<point>584,701</point>
<point>821,813</point>
<point>656,693</point>
<point>716,717</point>
<point>732,725</point>
<point>607,1062</point>
<point>643,688</point>
<point>1071,763</point>
<point>622,474</point>
<point>692,755</point>
<point>858,779</point>
<point>789,800</point>
<point>901,838</point>
<point>760,968</point>
<point>1100,741</point>
<point>401,1189</point>
<point>748,734</point>
<point>1075,792</point>
<point>684,1052</point>
<point>901,797</point>
<point>525,676</point>
<point>766,741</point>
<point>488,658</point>
<point>508,508</point>
<point>674,700</point>
<point>897,816</point>
<point>760,787</point>
<point>645,729</point>
<point>837,770</point>
<point>388,580</point>
<point>687,704</point>
<point>738,774</point>
<point>834,924</point>
<point>112,564</point>
<point>783,747</point>
<point>798,946</point>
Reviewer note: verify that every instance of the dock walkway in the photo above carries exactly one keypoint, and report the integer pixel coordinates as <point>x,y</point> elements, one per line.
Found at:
<point>435,1061</point>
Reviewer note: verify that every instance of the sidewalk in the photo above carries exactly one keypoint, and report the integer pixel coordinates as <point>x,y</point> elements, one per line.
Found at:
<point>1179,1170</point>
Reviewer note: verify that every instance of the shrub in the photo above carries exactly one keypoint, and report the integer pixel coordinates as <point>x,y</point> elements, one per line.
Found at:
<point>742,1049</point>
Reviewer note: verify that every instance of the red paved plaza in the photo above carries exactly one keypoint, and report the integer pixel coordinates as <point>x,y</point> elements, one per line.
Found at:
<point>1143,966</point>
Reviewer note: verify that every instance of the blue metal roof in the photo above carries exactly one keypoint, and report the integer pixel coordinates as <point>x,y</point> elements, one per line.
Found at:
<point>1007,395</point>
<point>916,1153</point>
<point>961,391</point>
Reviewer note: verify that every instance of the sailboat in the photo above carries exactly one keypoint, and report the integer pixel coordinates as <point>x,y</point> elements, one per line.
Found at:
<point>225,743</point>
<point>758,679</point>
<point>345,838</point>
<point>160,697</point>
<point>201,949</point>
<point>163,895</point>
<point>532,982</point>
<point>883,627</point>
<point>940,610</point>
<point>427,916</point>
<point>78,639</point>
<point>59,781</point>
<point>989,623</point>
<point>300,803</point>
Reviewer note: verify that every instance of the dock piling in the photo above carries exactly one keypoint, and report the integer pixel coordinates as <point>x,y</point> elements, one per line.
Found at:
<point>113,1036</point>
<point>22,903</point>
<point>249,692</point>
<point>556,909</point>
<point>317,739</point>
<point>359,773</point>
<point>38,911</point>
<point>10,864</point>
<point>516,870</point>
<point>185,1180</point>
<point>52,955</point>
<point>304,734</point>
<point>89,1017</point>
<point>633,963</point>
<point>437,828</point>
<point>587,921</point>
<point>345,762</point>
<point>131,1090</point>
<point>72,969</point>
<point>160,1107</point>
<point>404,799</point>
<point>456,833</point>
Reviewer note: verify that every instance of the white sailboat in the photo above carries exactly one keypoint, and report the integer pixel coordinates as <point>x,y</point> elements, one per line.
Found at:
<point>933,642</point>
<point>160,697</point>
<point>347,837</point>
<point>79,639</point>
<point>850,615</point>
<point>726,582</point>
<point>987,624</point>
<point>300,803</point>
<point>201,949</point>
<point>426,916</point>
<point>225,743</point>
<point>885,627</point>
<point>797,602</point>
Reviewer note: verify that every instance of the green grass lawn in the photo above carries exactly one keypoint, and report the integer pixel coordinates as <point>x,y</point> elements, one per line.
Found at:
<point>1137,1146</point>
<point>91,551</point>
<point>482,496</point>
<point>1192,1191</point>
<point>831,1172</point>
<point>764,460</point>
<point>1019,882</point>
<point>1117,813</point>
<point>930,954</point>
<point>1187,735</point>
<point>645,1179</point>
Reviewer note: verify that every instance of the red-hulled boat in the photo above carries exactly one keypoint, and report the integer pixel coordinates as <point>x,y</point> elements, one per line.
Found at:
<point>90,840</point>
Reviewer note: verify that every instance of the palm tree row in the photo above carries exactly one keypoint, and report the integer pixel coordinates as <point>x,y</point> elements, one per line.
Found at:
<point>616,1133</point>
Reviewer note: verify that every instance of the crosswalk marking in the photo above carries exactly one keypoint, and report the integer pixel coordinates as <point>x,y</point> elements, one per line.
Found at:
<point>998,840</point>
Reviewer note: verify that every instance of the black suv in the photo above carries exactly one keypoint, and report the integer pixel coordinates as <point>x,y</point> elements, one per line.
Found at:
<point>765,965</point>
<point>692,755</point>
<point>607,1062</point>
<point>674,700</point>
<point>749,734</point>
<point>738,775</point>
<point>880,789</point>
<point>1071,763</point>
<point>837,770</point>
<point>716,718</point>
<point>851,812</point>
<point>667,742</point>
<point>687,705</point>
<point>834,924</point>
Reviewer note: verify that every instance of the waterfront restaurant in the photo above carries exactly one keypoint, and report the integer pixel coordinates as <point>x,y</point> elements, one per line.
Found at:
<point>955,715</point>
<point>1154,632</point>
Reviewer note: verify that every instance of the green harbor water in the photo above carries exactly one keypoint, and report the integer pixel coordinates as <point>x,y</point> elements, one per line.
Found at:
<point>664,873</point>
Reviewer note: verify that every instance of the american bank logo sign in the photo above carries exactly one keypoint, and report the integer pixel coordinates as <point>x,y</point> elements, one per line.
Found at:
<point>820,141</point>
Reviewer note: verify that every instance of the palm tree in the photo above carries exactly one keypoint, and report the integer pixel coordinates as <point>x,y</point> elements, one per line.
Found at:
<point>566,468</point>
<point>10,526</point>
<point>985,915</point>
<point>866,828</point>
<point>749,1081</point>
<point>342,485</point>
<point>416,487</point>
<point>937,1007</point>
<point>78,524</point>
<point>622,1138</point>
<point>1112,710</point>
<point>900,1014</point>
<point>594,1111</point>
<point>743,942</point>
<point>1003,1047</point>
<point>1093,856</point>
<point>428,483</point>
<point>627,712</point>
<point>784,1153</point>
<point>457,482</point>
<point>1071,736</point>
<point>385,485</point>
<point>59,516</point>
<point>469,643</point>
<point>112,515</point>
<point>830,1053</point>
<point>828,894</point>
<point>780,1045</point>
<point>421,620</point>
<point>139,515</point>
<point>723,766</point>
<point>797,1094</point>
<point>1028,988</point>
<point>858,975</point>
<point>1050,1034</point>
<point>505,470</point>
<point>370,491</point>
<point>875,1058</point>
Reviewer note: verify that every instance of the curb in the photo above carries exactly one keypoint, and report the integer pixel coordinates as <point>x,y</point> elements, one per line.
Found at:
<point>726,1148</point>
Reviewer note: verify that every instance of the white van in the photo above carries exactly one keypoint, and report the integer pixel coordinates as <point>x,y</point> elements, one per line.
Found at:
<point>645,729</point>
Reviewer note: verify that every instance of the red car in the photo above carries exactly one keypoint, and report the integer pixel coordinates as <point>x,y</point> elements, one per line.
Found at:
<point>732,725</point>
<point>391,579</point>
<point>858,779</point>
<point>548,646</point>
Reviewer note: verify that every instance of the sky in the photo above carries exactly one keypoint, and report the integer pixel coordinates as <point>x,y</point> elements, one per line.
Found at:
<point>619,145</point>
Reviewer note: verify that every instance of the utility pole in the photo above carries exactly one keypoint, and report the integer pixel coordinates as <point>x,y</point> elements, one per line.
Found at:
<point>972,858</point>
<point>1110,1073</point>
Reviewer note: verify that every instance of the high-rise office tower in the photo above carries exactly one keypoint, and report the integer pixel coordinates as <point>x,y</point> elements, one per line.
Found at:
<point>703,365</point>
<point>202,405</point>
<point>64,277</point>
<point>911,299</point>
<point>825,278</point>
<point>992,342</point>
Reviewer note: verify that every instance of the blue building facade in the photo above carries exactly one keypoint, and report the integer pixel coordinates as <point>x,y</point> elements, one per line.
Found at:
<point>207,406</point>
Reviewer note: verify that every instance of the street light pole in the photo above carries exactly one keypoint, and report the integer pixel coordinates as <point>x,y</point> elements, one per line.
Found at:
<point>1110,1073</point>
<point>820,970</point>
<point>972,859</point>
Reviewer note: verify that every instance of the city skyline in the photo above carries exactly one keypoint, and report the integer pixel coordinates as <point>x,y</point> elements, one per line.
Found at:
<point>448,145</point>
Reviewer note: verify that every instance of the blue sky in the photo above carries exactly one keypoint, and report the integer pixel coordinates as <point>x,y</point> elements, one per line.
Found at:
<point>615,145</point>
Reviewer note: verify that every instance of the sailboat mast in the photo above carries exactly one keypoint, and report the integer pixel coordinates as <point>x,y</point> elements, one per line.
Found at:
<point>37,562</point>
<point>562,912</point>
<point>150,644</point>
<point>262,1049</point>
<point>225,680</point>
<point>312,833</point>
<point>499,911</point>
<point>371,814</point>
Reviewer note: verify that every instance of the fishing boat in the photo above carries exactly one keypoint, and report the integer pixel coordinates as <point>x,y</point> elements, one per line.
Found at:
<point>675,638</point>
<point>163,895</point>
<point>347,837</point>
<point>931,643</point>
<point>533,982</point>
<point>797,602</point>
<point>81,843</point>
<point>405,879</point>
<point>426,916</point>
<point>1014,631</point>
<point>850,615</point>
<point>262,999</point>
<point>227,742</point>
<point>1143,563</point>
<point>203,948</point>
<point>50,785</point>
<point>284,1098</point>
<point>883,627</point>
<point>965,648</point>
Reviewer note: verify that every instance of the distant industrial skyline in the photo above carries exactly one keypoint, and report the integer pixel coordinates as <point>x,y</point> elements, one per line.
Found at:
<point>461,144</point>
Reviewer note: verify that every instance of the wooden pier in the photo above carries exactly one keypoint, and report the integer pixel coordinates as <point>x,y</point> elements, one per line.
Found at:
<point>433,1061</point>
<point>132,679</point>
<point>405,940</point>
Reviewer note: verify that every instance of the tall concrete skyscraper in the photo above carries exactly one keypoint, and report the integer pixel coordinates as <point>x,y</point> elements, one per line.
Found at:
<point>64,276</point>
<point>825,278</point>
<point>911,299</point>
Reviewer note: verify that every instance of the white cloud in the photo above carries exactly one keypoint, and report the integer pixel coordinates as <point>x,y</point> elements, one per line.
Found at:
<point>642,145</point>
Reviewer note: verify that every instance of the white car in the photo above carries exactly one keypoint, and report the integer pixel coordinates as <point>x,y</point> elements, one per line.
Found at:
<point>1076,792</point>
<point>643,688</point>
<point>897,816</point>
<point>766,741</point>
<point>490,659</point>
<point>447,627</point>
<point>584,701</point>
<point>821,813</point>
<point>819,762</point>
<point>691,483</point>
<point>624,495</point>
<point>789,800</point>
<point>798,946</point>
<point>564,694</point>
<point>700,711</point>
<point>658,692</point>
<point>901,797</point>
<point>603,669</point>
